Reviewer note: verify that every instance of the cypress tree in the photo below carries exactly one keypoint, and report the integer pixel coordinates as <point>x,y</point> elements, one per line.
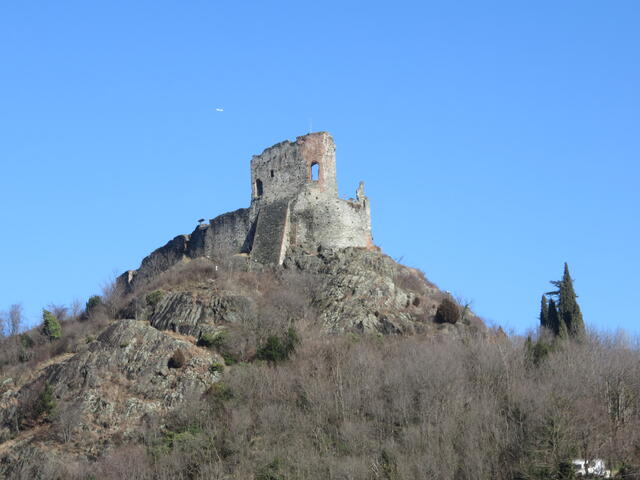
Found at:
<point>568,307</point>
<point>50,326</point>
<point>544,312</point>
<point>555,322</point>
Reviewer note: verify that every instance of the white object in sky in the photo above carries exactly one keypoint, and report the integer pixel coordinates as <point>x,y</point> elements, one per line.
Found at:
<point>219,109</point>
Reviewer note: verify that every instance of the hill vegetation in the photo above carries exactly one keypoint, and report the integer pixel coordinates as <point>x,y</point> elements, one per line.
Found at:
<point>259,380</point>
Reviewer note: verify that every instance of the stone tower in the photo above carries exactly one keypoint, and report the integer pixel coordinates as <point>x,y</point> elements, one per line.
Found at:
<point>285,169</point>
<point>295,196</point>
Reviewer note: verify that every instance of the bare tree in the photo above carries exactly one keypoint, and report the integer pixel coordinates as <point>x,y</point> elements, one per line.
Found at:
<point>76,309</point>
<point>4,320</point>
<point>59,311</point>
<point>112,296</point>
<point>15,319</point>
<point>66,420</point>
<point>11,324</point>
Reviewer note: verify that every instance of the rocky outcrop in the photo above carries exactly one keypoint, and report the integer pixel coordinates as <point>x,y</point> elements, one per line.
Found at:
<point>365,290</point>
<point>123,377</point>
<point>352,289</point>
<point>189,312</point>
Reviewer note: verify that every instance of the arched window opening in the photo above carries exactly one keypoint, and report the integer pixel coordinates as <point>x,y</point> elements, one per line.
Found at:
<point>315,172</point>
<point>258,187</point>
<point>271,173</point>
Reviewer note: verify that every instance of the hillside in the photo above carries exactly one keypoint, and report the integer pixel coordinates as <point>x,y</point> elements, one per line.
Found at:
<point>219,318</point>
<point>330,366</point>
<point>278,342</point>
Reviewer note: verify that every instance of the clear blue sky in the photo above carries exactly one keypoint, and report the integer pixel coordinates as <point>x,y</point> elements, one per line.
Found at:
<point>497,140</point>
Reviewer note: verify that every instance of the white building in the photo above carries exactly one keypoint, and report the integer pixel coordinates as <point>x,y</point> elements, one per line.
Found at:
<point>594,467</point>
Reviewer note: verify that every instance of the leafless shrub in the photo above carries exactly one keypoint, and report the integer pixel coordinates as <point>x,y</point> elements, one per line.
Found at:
<point>11,324</point>
<point>415,407</point>
<point>3,325</point>
<point>126,461</point>
<point>401,407</point>
<point>365,406</point>
<point>66,419</point>
<point>114,297</point>
<point>193,271</point>
<point>411,280</point>
<point>59,311</point>
<point>22,352</point>
<point>15,321</point>
<point>75,309</point>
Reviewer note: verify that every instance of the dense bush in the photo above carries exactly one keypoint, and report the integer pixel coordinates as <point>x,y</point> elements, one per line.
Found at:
<point>448,312</point>
<point>26,341</point>
<point>50,326</point>
<point>221,342</point>
<point>154,297</point>
<point>212,340</point>
<point>46,402</point>
<point>94,302</point>
<point>216,367</point>
<point>277,349</point>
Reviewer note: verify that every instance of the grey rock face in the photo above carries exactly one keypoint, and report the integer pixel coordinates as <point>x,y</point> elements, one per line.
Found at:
<point>122,377</point>
<point>352,289</point>
<point>365,290</point>
<point>188,312</point>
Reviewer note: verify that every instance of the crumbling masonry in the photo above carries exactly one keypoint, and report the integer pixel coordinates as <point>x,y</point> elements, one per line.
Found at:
<point>294,201</point>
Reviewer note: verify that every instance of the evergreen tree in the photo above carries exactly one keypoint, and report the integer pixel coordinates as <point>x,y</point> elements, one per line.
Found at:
<point>570,316</point>
<point>568,307</point>
<point>544,312</point>
<point>46,402</point>
<point>555,322</point>
<point>50,326</point>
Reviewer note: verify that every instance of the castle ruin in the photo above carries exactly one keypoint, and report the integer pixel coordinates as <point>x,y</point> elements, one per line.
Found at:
<point>294,201</point>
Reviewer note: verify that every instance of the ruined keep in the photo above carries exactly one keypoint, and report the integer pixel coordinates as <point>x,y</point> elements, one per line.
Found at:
<point>294,201</point>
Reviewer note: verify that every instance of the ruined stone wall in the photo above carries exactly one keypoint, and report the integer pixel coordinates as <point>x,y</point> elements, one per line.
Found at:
<point>225,235</point>
<point>330,223</point>
<point>282,170</point>
<point>229,234</point>
<point>160,260</point>
<point>271,237</point>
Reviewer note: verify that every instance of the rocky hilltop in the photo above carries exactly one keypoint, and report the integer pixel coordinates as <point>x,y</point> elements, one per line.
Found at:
<point>215,317</point>
<point>166,335</point>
